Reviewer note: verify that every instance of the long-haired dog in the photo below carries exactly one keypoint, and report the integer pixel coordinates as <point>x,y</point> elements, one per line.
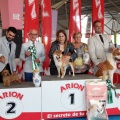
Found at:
<point>109,66</point>
<point>7,78</point>
<point>61,64</point>
<point>96,109</point>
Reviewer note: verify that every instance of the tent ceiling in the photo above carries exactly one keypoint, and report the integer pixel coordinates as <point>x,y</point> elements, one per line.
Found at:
<point>63,7</point>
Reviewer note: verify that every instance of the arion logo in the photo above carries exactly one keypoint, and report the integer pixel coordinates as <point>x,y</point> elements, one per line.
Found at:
<point>11,105</point>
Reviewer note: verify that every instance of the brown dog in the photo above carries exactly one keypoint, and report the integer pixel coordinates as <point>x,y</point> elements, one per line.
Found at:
<point>109,66</point>
<point>7,78</point>
<point>61,64</point>
<point>106,67</point>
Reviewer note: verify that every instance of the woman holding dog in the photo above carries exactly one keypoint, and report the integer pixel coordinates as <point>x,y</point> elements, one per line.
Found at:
<point>61,43</point>
<point>82,62</point>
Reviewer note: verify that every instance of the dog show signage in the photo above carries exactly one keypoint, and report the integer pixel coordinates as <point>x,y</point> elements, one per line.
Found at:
<point>56,98</point>
<point>67,98</point>
<point>18,104</point>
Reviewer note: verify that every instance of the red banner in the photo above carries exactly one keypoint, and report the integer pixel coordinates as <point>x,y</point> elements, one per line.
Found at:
<point>31,20</point>
<point>98,12</point>
<point>46,28</point>
<point>75,18</point>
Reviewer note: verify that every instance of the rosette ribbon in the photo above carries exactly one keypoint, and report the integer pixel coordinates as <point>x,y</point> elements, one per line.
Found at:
<point>109,91</point>
<point>33,54</point>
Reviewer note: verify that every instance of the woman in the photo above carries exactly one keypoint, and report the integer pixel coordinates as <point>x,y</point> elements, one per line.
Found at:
<point>61,43</point>
<point>82,61</point>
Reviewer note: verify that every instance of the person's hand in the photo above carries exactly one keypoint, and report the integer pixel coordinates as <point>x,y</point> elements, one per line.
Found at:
<point>2,59</point>
<point>112,49</point>
<point>66,59</point>
<point>37,60</point>
<point>14,72</point>
<point>100,65</point>
<point>27,54</point>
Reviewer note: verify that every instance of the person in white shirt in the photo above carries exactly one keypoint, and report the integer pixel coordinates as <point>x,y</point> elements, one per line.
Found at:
<point>26,56</point>
<point>7,52</point>
<point>98,47</point>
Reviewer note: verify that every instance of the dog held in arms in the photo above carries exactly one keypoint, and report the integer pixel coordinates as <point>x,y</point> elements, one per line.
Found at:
<point>61,64</point>
<point>109,66</point>
<point>7,78</point>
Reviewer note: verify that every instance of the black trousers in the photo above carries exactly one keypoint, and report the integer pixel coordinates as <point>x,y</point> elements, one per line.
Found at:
<point>7,67</point>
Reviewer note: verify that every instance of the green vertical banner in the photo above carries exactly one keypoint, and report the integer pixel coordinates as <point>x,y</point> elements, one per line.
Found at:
<point>115,39</point>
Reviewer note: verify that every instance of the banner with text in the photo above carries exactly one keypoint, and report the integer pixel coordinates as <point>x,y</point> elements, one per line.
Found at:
<point>98,12</point>
<point>46,28</point>
<point>75,18</point>
<point>31,20</point>
<point>11,14</point>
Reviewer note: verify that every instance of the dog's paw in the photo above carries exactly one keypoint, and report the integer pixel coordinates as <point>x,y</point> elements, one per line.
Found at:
<point>73,75</point>
<point>62,77</point>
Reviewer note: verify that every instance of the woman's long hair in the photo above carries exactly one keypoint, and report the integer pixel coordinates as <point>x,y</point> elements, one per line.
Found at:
<point>57,37</point>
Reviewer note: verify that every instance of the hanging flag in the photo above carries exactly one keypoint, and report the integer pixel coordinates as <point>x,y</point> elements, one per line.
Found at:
<point>54,24</point>
<point>46,29</point>
<point>88,27</point>
<point>75,18</point>
<point>31,20</point>
<point>98,12</point>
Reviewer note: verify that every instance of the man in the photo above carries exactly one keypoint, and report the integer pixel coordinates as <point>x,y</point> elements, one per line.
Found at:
<point>99,46</point>
<point>26,55</point>
<point>7,52</point>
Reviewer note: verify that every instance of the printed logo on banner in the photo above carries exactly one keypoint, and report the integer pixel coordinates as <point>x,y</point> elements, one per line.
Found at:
<point>98,5</point>
<point>77,14</point>
<point>44,13</point>
<point>33,12</point>
<point>70,96</point>
<point>11,105</point>
<point>30,2</point>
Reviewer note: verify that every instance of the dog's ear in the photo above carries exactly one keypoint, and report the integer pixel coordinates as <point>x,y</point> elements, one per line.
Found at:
<point>107,63</point>
<point>2,73</point>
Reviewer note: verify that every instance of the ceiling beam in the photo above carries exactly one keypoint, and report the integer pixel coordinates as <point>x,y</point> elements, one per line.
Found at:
<point>59,4</point>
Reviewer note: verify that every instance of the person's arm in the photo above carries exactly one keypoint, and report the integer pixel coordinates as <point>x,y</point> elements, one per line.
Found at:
<point>42,55</point>
<point>92,51</point>
<point>73,52</point>
<point>22,53</point>
<point>52,50</point>
<point>13,59</point>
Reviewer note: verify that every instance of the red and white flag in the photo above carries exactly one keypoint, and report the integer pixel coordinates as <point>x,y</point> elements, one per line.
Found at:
<point>46,28</point>
<point>75,18</point>
<point>31,20</point>
<point>98,12</point>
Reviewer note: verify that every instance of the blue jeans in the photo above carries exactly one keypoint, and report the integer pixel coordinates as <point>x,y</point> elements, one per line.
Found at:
<point>28,77</point>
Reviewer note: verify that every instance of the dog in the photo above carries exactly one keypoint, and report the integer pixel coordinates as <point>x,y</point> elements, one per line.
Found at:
<point>105,68</point>
<point>7,78</point>
<point>96,108</point>
<point>61,65</point>
<point>109,66</point>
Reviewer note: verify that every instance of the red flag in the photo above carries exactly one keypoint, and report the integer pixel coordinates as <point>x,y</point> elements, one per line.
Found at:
<point>98,12</point>
<point>75,18</point>
<point>46,28</point>
<point>31,20</point>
